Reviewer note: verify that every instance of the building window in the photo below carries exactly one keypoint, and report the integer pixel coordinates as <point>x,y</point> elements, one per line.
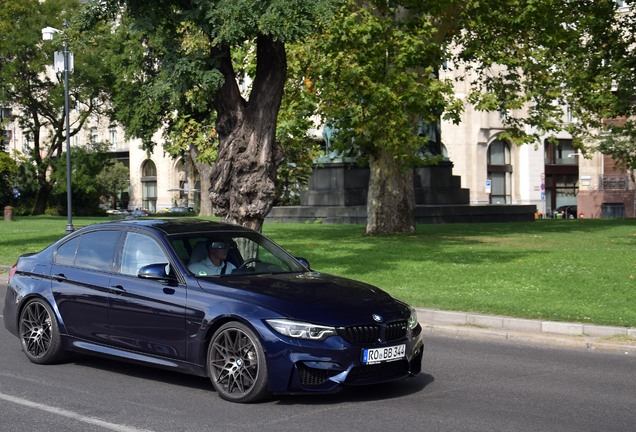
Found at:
<point>27,142</point>
<point>149,169</point>
<point>5,113</point>
<point>93,137</point>
<point>5,139</point>
<point>561,152</point>
<point>149,186</point>
<point>613,210</point>
<point>500,172</point>
<point>113,138</point>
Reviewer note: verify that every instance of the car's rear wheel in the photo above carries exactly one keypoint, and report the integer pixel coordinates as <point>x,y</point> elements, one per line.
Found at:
<point>236,364</point>
<point>40,334</point>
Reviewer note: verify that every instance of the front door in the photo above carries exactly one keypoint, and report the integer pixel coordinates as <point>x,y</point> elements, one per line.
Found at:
<point>146,315</point>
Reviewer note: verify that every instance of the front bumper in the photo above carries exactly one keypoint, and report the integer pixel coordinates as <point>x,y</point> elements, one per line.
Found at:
<point>324,367</point>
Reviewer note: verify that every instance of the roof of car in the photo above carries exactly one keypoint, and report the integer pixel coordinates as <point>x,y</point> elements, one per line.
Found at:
<point>179,225</point>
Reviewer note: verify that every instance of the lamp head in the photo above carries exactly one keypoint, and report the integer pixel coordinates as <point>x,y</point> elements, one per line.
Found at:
<point>48,33</point>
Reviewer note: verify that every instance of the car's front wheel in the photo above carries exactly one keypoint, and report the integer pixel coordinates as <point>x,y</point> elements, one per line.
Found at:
<point>40,334</point>
<point>236,364</point>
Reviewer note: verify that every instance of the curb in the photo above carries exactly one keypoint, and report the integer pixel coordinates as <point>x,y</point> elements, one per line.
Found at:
<point>549,333</point>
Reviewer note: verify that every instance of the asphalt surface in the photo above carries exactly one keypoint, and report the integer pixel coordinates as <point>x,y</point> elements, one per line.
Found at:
<point>516,330</point>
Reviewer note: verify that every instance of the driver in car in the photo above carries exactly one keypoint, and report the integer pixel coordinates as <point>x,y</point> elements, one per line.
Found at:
<point>215,263</point>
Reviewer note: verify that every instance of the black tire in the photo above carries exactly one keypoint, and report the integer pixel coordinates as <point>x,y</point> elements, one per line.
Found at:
<point>39,333</point>
<point>236,364</point>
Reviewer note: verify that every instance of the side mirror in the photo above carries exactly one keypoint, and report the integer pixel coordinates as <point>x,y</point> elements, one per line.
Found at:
<point>304,262</point>
<point>157,272</point>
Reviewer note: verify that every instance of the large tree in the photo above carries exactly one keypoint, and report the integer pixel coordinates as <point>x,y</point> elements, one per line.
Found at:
<point>113,181</point>
<point>178,57</point>
<point>37,95</point>
<point>377,76</point>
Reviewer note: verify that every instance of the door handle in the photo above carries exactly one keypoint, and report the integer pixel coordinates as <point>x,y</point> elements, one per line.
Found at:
<point>118,288</point>
<point>60,277</point>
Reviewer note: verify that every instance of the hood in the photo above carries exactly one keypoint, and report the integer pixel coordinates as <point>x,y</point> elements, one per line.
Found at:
<point>311,296</point>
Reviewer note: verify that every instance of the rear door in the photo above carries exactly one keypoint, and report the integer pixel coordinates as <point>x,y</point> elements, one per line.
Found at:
<point>81,271</point>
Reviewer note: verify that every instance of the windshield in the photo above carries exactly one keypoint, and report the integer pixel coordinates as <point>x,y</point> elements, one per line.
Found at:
<point>233,253</point>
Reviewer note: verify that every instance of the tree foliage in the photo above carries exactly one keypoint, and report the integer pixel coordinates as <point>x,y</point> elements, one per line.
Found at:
<point>547,55</point>
<point>376,73</point>
<point>295,118</point>
<point>113,180</point>
<point>8,171</point>
<point>376,69</point>
<point>619,142</point>
<point>91,179</point>
<point>184,57</point>
<point>37,95</point>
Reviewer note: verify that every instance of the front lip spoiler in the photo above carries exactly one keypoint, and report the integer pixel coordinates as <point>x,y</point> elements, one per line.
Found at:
<point>341,377</point>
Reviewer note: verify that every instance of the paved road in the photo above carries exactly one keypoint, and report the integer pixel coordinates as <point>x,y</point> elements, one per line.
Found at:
<point>468,385</point>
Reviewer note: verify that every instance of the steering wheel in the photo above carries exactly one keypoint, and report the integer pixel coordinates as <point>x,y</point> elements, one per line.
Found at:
<point>247,262</point>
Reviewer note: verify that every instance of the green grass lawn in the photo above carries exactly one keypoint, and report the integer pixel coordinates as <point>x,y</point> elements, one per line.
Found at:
<point>562,270</point>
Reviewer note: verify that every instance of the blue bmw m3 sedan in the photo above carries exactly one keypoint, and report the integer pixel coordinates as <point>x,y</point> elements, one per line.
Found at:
<point>209,299</point>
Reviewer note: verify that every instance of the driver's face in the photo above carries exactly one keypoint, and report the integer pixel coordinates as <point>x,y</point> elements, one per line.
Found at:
<point>219,253</point>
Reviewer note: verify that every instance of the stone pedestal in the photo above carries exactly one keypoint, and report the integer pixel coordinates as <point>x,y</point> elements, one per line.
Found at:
<point>345,184</point>
<point>338,194</point>
<point>336,184</point>
<point>436,185</point>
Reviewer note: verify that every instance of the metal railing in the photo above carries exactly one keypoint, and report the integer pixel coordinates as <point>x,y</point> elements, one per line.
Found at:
<point>614,182</point>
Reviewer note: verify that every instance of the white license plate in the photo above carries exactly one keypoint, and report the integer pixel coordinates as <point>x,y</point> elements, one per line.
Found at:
<point>380,355</point>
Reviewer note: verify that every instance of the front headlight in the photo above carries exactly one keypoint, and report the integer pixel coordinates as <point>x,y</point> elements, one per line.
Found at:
<point>412,322</point>
<point>301,330</point>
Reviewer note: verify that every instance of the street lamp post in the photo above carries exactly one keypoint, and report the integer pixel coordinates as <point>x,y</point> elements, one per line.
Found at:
<point>47,34</point>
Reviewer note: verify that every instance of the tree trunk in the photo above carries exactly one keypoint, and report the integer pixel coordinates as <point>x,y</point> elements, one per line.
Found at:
<point>204,170</point>
<point>41,198</point>
<point>391,197</point>
<point>242,180</point>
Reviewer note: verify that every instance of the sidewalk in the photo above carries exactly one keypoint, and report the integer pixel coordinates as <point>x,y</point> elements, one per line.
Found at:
<point>516,330</point>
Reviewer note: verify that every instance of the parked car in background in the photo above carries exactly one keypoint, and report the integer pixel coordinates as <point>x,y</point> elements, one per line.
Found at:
<point>181,210</point>
<point>123,289</point>
<point>117,212</point>
<point>138,213</point>
<point>566,212</point>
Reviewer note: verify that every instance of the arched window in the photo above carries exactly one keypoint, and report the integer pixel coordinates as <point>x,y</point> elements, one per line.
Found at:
<point>149,186</point>
<point>500,172</point>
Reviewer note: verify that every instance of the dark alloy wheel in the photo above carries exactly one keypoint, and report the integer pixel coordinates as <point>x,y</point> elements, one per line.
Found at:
<point>39,333</point>
<point>236,364</point>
